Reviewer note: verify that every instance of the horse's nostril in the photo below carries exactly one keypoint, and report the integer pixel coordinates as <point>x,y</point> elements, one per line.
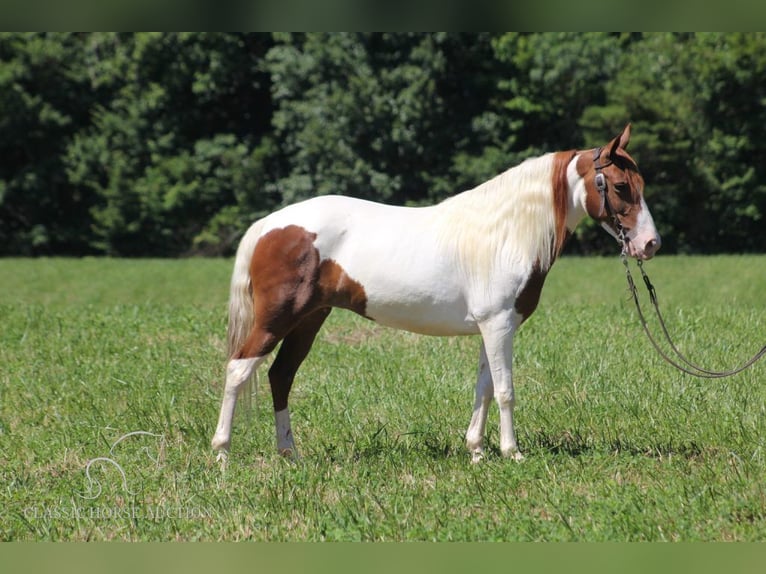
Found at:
<point>651,247</point>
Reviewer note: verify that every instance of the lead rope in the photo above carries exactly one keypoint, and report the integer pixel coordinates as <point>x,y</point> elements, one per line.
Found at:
<point>694,370</point>
<point>688,367</point>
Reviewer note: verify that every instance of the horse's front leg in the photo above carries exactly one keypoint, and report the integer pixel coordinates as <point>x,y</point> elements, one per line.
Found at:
<point>497,333</point>
<point>474,436</point>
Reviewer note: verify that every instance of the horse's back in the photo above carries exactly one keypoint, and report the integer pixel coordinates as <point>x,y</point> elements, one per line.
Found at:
<point>328,213</point>
<point>338,223</point>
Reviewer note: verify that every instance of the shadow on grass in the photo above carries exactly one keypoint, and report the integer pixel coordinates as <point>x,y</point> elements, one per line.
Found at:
<point>575,445</point>
<point>380,444</point>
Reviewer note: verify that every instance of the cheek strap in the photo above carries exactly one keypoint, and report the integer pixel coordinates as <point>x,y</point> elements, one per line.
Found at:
<point>606,207</point>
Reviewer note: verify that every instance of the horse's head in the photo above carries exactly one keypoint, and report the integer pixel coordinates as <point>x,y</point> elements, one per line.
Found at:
<point>615,196</point>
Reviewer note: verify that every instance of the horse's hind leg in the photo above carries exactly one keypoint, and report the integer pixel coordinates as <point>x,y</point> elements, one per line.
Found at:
<point>239,369</point>
<point>293,351</point>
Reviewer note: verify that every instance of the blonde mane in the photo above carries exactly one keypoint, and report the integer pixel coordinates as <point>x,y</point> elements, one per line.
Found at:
<point>508,220</point>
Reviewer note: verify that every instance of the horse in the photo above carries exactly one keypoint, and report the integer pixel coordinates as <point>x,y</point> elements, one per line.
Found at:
<point>473,264</point>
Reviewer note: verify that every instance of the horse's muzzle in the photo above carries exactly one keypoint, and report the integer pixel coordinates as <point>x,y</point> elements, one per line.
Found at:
<point>644,248</point>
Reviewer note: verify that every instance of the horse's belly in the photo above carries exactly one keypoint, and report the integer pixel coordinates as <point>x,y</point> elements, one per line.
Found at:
<point>426,320</point>
<point>438,310</point>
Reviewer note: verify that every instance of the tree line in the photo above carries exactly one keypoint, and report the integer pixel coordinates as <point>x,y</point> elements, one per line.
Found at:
<point>170,144</point>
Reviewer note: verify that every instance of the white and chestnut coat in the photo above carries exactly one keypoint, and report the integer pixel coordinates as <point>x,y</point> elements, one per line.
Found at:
<point>473,264</point>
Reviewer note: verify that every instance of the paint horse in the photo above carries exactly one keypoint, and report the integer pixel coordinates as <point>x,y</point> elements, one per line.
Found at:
<point>473,264</point>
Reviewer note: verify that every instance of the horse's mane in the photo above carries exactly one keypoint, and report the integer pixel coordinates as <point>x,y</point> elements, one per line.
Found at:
<point>515,218</point>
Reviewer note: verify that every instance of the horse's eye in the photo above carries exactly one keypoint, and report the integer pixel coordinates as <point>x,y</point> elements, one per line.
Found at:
<point>623,188</point>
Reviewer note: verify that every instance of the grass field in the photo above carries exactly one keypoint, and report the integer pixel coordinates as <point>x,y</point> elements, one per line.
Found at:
<point>618,445</point>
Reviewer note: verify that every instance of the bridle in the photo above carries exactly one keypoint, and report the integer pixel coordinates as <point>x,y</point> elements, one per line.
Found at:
<point>682,363</point>
<point>606,206</point>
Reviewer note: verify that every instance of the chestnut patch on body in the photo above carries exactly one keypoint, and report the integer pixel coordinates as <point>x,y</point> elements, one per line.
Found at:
<point>529,296</point>
<point>289,283</point>
<point>337,289</point>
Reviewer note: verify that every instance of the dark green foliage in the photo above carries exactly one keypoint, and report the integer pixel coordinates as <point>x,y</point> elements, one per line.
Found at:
<point>378,116</point>
<point>44,102</point>
<point>171,144</point>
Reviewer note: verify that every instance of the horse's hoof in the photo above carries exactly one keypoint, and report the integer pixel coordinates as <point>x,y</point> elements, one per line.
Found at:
<point>514,454</point>
<point>290,453</point>
<point>477,456</point>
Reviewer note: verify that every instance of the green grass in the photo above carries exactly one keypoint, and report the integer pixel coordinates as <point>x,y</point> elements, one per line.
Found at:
<point>618,445</point>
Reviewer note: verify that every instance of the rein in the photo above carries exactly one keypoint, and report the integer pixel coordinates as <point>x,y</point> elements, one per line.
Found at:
<point>685,365</point>
<point>680,362</point>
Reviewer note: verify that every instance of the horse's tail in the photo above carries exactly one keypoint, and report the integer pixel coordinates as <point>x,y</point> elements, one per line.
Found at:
<point>241,309</point>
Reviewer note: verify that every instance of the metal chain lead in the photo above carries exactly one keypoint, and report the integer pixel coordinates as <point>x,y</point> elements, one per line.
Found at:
<point>692,369</point>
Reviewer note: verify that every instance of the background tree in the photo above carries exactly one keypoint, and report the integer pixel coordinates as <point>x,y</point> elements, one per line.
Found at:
<point>171,144</point>
<point>697,102</point>
<point>732,158</point>
<point>45,99</point>
<point>172,154</point>
<point>377,116</point>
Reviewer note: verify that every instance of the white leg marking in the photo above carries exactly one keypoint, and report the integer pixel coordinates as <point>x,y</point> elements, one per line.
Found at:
<point>222,459</point>
<point>238,371</point>
<point>474,436</point>
<point>285,442</point>
<point>498,341</point>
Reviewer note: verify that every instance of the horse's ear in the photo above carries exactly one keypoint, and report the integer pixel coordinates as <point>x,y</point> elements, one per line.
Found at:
<point>621,141</point>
